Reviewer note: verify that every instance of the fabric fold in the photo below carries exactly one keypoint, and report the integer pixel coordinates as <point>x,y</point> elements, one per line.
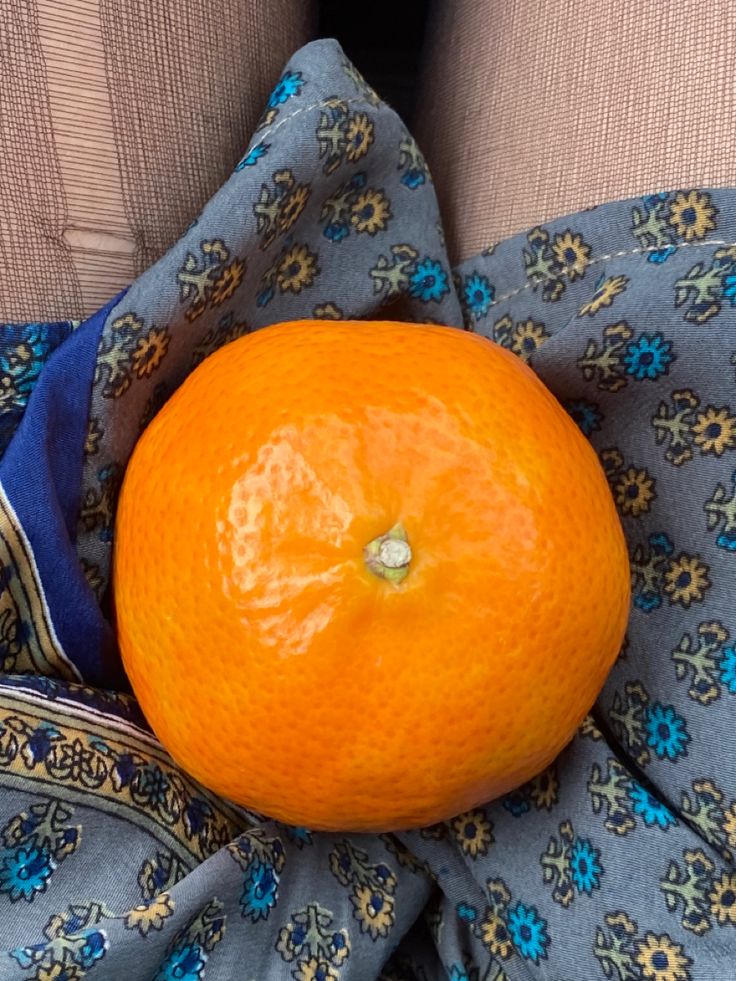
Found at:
<point>617,862</point>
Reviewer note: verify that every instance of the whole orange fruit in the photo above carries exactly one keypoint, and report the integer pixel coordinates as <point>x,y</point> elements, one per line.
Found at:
<point>367,575</point>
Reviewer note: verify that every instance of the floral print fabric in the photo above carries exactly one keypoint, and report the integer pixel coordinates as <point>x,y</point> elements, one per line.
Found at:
<point>617,862</point>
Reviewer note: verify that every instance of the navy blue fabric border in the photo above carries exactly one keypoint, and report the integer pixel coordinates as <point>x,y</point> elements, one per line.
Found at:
<point>44,463</point>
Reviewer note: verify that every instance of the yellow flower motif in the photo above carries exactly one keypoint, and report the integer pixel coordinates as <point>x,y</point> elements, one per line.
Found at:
<point>498,893</point>
<point>473,832</point>
<point>20,357</point>
<point>589,729</point>
<point>544,789</point>
<point>328,311</point>
<point>359,136</point>
<point>150,916</point>
<point>729,825</point>
<point>8,390</point>
<point>297,269</point>
<point>150,351</point>
<point>495,936</point>
<point>374,910</point>
<point>634,491</point>
<point>127,324</point>
<point>93,575</point>
<point>661,959</point>
<point>723,899</point>
<point>572,254</point>
<point>727,252</point>
<point>715,431</point>
<point>621,922</point>
<point>92,440</point>
<point>612,460</point>
<point>707,786</point>
<point>292,206</point>
<point>527,337</point>
<point>604,295</point>
<point>267,118</point>
<point>370,212</point>
<point>227,282</point>
<point>692,214</point>
<point>59,972</point>
<point>686,580</point>
<point>315,970</point>
<point>699,858</point>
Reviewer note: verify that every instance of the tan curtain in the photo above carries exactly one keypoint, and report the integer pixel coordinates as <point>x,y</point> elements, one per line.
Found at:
<point>530,109</point>
<point>118,119</point>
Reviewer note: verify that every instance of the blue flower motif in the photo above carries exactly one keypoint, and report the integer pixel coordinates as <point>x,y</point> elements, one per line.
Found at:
<point>93,949</point>
<point>666,731</point>
<point>585,866</point>
<point>196,814</point>
<point>466,912</point>
<point>336,231</point>
<point>652,199</point>
<point>24,349</point>
<point>413,178</point>
<point>260,891</point>
<point>153,784</point>
<point>730,288</point>
<point>726,540</point>
<point>661,543</point>
<point>290,84</point>
<point>26,957</point>
<point>302,836</point>
<point>587,415</point>
<point>727,668</point>
<point>25,872</point>
<point>650,810</point>
<point>647,601</point>
<point>41,740</point>
<point>661,255</point>
<point>183,964</point>
<point>158,877</point>
<point>265,296</point>
<point>458,973</point>
<point>73,923</point>
<point>358,181</point>
<point>649,357</point>
<point>252,157</point>
<point>429,281</point>
<point>528,932</point>
<point>478,294</point>
<point>517,803</point>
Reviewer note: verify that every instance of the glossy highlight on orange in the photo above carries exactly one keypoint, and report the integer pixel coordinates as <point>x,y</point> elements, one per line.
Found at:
<point>367,574</point>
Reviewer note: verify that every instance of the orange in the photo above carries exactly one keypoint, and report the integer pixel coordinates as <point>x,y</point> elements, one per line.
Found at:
<point>367,575</point>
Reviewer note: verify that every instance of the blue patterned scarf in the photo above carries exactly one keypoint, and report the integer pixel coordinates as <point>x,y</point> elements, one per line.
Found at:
<point>615,863</point>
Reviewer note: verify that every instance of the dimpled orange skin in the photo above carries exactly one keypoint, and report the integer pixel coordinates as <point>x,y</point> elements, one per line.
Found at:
<point>274,665</point>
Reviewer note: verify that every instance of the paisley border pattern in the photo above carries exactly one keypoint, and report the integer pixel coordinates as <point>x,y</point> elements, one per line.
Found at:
<point>28,641</point>
<point>84,756</point>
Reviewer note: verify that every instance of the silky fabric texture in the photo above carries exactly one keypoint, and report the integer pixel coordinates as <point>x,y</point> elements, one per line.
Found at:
<point>617,862</point>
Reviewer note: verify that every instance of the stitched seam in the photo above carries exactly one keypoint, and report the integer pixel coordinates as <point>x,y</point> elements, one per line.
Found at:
<point>625,253</point>
<point>316,105</point>
<point>613,255</point>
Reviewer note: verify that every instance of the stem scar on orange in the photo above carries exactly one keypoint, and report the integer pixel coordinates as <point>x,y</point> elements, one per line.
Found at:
<point>367,575</point>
